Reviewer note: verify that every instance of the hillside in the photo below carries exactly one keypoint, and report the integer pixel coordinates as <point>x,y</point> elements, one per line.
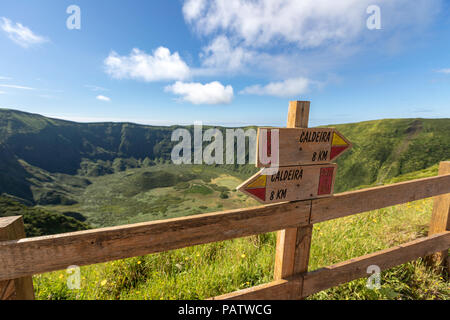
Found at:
<point>64,176</point>
<point>38,221</point>
<point>115,173</point>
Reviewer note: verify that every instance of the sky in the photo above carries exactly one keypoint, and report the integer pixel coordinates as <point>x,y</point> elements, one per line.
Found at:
<point>225,62</point>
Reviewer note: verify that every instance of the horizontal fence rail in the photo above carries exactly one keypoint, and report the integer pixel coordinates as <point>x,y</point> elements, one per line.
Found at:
<point>29,256</point>
<point>306,284</point>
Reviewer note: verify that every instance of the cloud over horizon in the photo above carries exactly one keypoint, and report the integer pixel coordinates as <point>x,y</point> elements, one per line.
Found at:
<point>138,65</point>
<point>287,88</point>
<point>197,93</point>
<point>20,34</point>
<point>103,98</point>
<point>13,86</point>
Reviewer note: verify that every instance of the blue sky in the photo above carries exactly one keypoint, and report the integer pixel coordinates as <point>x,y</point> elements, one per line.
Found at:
<point>225,62</point>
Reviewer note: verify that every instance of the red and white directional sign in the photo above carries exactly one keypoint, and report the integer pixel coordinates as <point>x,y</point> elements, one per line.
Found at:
<point>291,183</point>
<point>300,146</point>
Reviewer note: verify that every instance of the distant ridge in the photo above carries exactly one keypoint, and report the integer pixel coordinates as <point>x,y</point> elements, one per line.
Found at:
<point>383,149</point>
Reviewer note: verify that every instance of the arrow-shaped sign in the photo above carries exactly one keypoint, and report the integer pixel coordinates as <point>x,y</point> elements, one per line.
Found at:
<point>301,146</point>
<point>291,183</point>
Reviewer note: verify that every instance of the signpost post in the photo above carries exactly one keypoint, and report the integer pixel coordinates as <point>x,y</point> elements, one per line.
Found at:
<point>304,171</point>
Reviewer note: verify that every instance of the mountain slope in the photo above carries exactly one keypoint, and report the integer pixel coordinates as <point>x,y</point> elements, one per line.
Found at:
<point>39,221</point>
<point>36,150</point>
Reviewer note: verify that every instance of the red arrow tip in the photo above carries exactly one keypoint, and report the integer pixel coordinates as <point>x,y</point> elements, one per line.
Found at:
<point>337,150</point>
<point>258,192</point>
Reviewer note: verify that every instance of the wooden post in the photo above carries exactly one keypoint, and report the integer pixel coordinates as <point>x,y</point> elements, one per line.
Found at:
<point>440,219</point>
<point>293,245</point>
<point>12,228</point>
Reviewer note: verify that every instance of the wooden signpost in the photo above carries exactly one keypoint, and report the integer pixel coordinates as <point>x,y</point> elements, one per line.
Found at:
<point>305,172</point>
<point>304,169</point>
<point>299,146</point>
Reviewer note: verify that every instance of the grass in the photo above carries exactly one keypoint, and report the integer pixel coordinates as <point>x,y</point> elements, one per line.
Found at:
<point>208,270</point>
<point>160,192</point>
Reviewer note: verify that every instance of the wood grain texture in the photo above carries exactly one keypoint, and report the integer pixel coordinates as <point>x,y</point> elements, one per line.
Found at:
<point>276,290</point>
<point>30,256</point>
<point>291,183</point>
<point>298,114</point>
<point>43,254</point>
<point>302,247</point>
<point>293,244</point>
<point>14,288</point>
<point>285,253</point>
<point>334,275</point>
<point>440,219</point>
<point>296,149</point>
<point>348,203</point>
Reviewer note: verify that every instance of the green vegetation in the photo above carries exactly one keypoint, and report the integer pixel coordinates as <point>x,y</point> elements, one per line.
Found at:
<point>38,221</point>
<point>242,263</point>
<point>384,149</point>
<point>79,176</point>
<point>33,149</point>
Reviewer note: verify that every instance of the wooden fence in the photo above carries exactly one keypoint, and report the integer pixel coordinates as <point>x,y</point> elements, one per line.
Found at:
<point>22,258</point>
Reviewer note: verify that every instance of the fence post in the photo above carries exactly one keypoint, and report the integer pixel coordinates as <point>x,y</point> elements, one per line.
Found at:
<point>440,220</point>
<point>12,228</point>
<point>293,244</point>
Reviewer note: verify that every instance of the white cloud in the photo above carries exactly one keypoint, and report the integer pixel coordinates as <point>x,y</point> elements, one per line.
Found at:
<point>306,23</point>
<point>193,8</point>
<point>103,98</point>
<point>220,54</point>
<point>20,34</point>
<point>161,65</point>
<point>5,78</point>
<point>446,71</point>
<point>263,37</point>
<point>197,93</point>
<point>286,88</point>
<point>2,92</point>
<point>13,86</point>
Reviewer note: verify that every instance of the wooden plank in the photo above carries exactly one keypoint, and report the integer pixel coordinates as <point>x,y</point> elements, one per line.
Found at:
<point>343,272</point>
<point>276,290</point>
<point>302,146</point>
<point>328,277</point>
<point>293,244</point>
<point>42,254</point>
<point>49,253</point>
<point>285,253</point>
<point>358,201</point>
<point>440,219</point>
<point>19,288</point>
<point>291,183</point>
